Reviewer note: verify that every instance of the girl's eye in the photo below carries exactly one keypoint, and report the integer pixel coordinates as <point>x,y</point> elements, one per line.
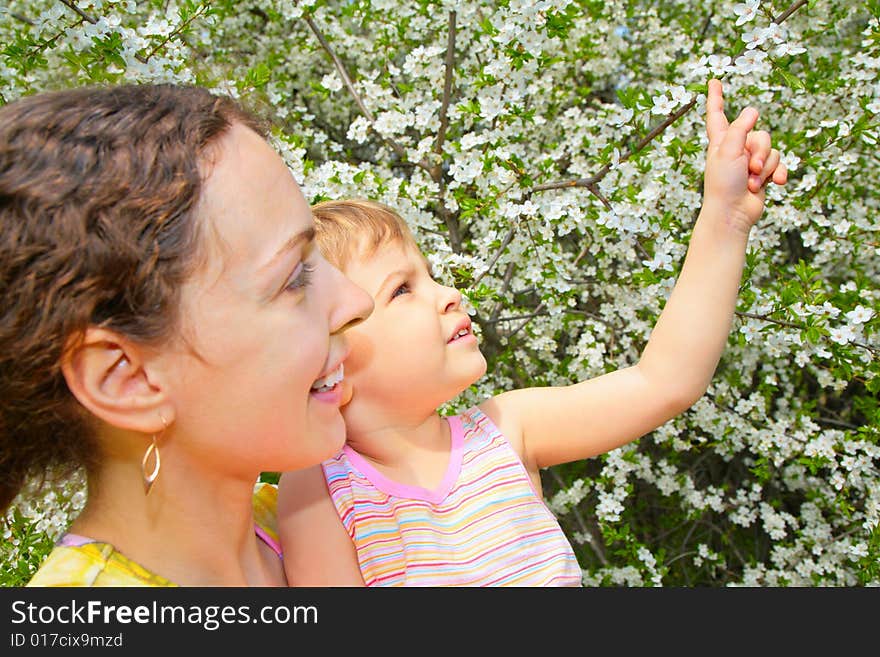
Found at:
<point>401,289</point>
<point>300,278</point>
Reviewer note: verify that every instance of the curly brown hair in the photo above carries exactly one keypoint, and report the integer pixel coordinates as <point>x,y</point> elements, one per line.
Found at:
<point>98,194</point>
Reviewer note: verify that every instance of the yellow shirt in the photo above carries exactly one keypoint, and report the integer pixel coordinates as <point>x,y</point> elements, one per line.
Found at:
<point>99,564</point>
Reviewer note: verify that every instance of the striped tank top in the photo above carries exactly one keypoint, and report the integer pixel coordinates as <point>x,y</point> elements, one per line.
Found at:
<point>484,525</point>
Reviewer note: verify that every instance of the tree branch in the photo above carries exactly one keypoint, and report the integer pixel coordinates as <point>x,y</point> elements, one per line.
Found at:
<point>447,84</point>
<point>346,79</point>
<point>590,183</point>
<point>340,67</point>
<point>672,118</point>
<point>780,322</point>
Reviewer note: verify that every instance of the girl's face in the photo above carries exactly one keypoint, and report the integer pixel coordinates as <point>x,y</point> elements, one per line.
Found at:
<point>417,350</point>
<point>262,324</point>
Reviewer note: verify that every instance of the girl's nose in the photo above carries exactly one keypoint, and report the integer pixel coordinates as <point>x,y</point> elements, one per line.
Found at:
<point>450,299</point>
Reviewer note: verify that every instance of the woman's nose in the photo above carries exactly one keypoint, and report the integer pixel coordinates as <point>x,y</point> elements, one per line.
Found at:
<point>352,303</point>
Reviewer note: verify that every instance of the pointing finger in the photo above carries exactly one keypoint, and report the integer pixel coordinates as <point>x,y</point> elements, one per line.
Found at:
<point>716,121</point>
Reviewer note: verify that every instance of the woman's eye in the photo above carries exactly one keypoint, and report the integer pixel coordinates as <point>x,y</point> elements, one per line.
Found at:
<point>401,289</point>
<point>300,278</point>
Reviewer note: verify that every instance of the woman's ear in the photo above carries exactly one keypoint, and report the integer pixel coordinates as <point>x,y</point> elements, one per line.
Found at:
<point>113,378</point>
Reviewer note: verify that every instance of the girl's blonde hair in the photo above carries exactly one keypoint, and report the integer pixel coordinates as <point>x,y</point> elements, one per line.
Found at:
<point>357,227</point>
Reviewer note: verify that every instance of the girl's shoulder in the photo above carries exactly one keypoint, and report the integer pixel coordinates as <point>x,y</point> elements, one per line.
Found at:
<point>496,416</point>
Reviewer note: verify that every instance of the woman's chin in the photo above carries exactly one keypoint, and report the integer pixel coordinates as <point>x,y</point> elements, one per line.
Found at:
<point>332,438</point>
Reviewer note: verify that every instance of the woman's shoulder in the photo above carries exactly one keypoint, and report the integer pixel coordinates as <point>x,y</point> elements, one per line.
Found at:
<point>92,564</point>
<point>265,503</point>
<point>100,564</point>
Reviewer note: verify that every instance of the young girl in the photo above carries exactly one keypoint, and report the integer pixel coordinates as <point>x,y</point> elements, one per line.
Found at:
<point>419,499</point>
<point>165,322</point>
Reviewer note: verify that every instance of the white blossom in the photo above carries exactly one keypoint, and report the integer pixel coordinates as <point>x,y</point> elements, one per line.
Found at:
<point>859,314</point>
<point>331,82</point>
<point>746,11</point>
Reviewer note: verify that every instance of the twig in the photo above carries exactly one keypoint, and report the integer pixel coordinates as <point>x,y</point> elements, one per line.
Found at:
<point>23,19</point>
<point>340,67</point>
<point>680,556</point>
<point>706,24</point>
<point>49,42</point>
<point>592,541</point>
<point>723,535</point>
<point>515,318</point>
<point>764,318</point>
<point>178,30</point>
<point>836,423</point>
<point>788,12</point>
<point>82,14</point>
<point>519,328</point>
<point>505,285</point>
<point>507,239</point>
<point>91,19</point>
<point>534,244</point>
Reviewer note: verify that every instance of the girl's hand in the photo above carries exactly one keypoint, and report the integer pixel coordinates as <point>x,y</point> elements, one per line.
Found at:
<point>739,163</point>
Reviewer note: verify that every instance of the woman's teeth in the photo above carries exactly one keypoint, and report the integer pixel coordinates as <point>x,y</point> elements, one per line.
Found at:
<point>463,332</point>
<point>326,383</point>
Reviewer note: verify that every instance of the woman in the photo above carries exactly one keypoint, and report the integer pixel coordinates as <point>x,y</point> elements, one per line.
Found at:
<point>168,323</point>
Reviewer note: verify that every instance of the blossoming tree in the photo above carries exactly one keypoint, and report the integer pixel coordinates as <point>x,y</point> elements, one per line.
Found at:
<point>548,155</point>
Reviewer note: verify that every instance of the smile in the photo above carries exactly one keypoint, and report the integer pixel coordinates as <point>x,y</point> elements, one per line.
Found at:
<point>462,331</point>
<point>327,383</point>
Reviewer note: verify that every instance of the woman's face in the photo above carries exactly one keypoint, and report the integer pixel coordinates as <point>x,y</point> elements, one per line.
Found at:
<point>261,322</point>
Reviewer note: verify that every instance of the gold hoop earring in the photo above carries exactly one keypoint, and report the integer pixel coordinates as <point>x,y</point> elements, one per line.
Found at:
<point>152,449</point>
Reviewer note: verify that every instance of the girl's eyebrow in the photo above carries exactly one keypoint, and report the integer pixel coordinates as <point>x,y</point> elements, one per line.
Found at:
<point>396,273</point>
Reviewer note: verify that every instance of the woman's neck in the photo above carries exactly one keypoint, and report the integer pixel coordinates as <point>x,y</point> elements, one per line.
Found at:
<point>191,529</point>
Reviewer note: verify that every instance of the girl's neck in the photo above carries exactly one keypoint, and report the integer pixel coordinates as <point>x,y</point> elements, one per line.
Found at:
<point>414,452</point>
<point>389,439</point>
<point>192,529</point>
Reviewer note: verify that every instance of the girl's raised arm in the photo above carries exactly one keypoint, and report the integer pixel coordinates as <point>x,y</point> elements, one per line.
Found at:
<point>561,424</point>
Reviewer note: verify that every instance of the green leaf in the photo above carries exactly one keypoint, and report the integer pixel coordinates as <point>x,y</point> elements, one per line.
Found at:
<point>790,79</point>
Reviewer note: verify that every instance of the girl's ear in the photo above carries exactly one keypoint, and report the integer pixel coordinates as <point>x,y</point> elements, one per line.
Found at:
<point>115,380</point>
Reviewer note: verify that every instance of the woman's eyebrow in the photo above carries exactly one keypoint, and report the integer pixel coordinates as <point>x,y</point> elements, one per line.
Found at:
<point>305,236</point>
